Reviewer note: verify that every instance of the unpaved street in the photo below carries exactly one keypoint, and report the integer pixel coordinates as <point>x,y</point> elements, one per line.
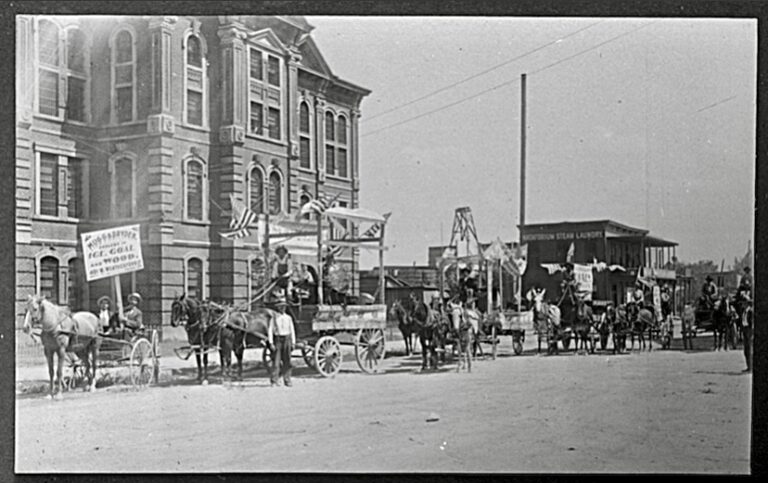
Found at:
<point>667,411</point>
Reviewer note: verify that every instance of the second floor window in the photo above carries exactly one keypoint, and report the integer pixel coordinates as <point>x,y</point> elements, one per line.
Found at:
<point>195,81</point>
<point>77,76</point>
<point>275,193</point>
<point>48,72</point>
<point>49,184</point>
<point>195,283</point>
<point>123,65</point>
<point>256,191</point>
<point>123,183</point>
<point>61,181</point>
<point>305,137</point>
<point>49,278</point>
<point>195,190</point>
<point>336,159</point>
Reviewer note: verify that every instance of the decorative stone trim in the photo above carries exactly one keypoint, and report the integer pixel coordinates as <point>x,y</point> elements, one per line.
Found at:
<point>160,124</point>
<point>232,135</point>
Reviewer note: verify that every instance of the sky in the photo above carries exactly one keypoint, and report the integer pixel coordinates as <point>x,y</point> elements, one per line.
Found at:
<point>646,121</point>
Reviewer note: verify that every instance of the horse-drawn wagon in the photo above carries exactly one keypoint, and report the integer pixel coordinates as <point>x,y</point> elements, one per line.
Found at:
<point>514,324</point>
<point>322,326</point>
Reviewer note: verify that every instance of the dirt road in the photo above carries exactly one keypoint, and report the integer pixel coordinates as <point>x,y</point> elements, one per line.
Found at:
<point>667,411</point>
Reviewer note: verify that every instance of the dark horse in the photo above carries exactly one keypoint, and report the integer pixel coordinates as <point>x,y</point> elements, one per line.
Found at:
<point>722,317</point>
<point>64,332</point>
<point>401,311</point>
<point>250,330</point>
<point>642,320</point>
<point>582,326</point>
<point>426,324</point>
<point>620,327</point>
<point>203,331</point>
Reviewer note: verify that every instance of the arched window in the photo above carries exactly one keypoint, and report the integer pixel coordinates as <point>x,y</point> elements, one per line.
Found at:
<point>275,193</point>
<point>341,145</point>
<point>49,278</point>
<point>195,190</point>
<point>305,138</point>
<point>195,82</point>
<point>48,72</point>
<point>330,144</point>
<point>123,183</point>
<point>303,200</point>
<point>77,76</point>
<point>194,284</point>
<point>256,191</point>
<point>75,284</point>
<point>123,82</point>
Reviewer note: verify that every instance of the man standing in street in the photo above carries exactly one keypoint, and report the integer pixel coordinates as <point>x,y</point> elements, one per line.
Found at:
<point>282,338</point>
<point>747,325</point>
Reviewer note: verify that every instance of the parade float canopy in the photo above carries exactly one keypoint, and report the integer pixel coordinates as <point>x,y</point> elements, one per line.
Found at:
<point>355,215</point>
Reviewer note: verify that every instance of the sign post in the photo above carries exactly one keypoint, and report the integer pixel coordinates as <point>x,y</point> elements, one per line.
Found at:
<point>111,253</point>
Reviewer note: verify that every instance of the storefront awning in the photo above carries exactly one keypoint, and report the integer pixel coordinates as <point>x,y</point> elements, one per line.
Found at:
<point>355,215</point>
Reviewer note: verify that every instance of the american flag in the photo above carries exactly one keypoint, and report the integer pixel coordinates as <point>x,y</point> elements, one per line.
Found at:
<point>375,229</point>
<point>318,205</point>
<point>242,216</point>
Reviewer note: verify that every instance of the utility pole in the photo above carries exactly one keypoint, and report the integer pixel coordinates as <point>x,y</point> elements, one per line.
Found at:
<point>519,288</point>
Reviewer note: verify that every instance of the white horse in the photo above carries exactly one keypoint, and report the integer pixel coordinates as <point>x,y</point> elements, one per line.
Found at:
<point>64,332</point>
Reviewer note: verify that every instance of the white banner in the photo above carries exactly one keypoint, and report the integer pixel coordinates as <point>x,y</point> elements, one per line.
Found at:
<point>112,252</point>
<point>657,302</point>
<point>583,276</point>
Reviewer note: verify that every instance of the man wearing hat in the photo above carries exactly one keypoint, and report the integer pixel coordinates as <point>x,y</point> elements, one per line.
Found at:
<point>709,291</point>
<point>105,312</point>
<point>282,338</point>
<point>132,318</point>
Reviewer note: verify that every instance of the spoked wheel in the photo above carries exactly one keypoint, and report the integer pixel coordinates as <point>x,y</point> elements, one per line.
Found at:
<point>493,342</point>
<point>155,341</point>
<point>308,354</point>
<point>328,356</point>
<point>142,363</point>
<point>369,349</point>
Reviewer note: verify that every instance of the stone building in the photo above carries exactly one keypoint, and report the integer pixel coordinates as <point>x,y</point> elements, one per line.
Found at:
<point>156,121</point>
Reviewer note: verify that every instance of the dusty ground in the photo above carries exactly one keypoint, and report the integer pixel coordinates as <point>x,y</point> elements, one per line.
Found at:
<point>667,411</point>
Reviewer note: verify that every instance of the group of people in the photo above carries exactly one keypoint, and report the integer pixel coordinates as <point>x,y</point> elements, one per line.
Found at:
<point>112,322</point>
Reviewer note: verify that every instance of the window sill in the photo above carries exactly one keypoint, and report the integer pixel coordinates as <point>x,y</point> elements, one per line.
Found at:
<point>196,222</point>
<point>307,170</point>
<point>260,137</point>
<point>193,127</point>
<point>337,178</point>
<point>49,117</point>
<point>58,219</point>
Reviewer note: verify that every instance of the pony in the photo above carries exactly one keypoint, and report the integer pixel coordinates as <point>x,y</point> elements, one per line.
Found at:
<point>404,322</point>
<point>688,320</point>
<point>201,333</point>
<point>427,325</point>
<point>546,321</point>
<point>64,332</point>
<point>582,326</point>
<point>620,328</point>
<point>642,320</point>
<point>464,326</point>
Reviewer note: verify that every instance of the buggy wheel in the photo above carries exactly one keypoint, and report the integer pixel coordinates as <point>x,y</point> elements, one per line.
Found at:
<point>494,342</point>
<point>308,354</point>
<point>155,341</point>
<point>328,356</point>
<point>142,363</point>
<point>369,349</point>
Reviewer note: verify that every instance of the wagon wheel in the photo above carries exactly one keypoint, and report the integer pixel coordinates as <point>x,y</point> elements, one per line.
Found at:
<point>142,363</point>
<point>308,353</point>
<point>155,341</point>
<point>493,342</point>
<point>327,356</point>
<point>369,349</point>
<point>517,343</point>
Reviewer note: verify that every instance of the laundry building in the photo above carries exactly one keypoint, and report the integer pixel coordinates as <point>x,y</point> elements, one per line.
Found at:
<point>156,121</point>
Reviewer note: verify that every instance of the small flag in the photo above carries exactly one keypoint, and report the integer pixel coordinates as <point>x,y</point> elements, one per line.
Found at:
<point>569,255</point>
<point>318,205</point>
<point>242,216</point>
<point>376,229</point>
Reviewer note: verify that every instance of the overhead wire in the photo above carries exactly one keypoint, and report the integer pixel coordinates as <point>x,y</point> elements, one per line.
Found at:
<point>479,74</point>
<point>503,84</point>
